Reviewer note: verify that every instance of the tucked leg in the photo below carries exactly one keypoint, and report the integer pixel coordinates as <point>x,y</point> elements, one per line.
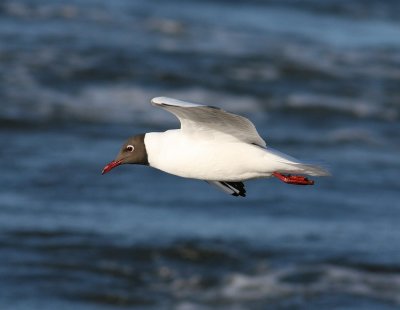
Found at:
<point>293,179</point>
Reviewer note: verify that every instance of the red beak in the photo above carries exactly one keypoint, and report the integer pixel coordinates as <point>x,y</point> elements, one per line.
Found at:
<point>111,165</point>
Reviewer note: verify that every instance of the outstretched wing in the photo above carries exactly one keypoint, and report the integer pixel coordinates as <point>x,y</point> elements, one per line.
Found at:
<point>211,121</point>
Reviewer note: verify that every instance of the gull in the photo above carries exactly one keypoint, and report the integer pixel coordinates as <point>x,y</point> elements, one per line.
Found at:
<point>221,148</point>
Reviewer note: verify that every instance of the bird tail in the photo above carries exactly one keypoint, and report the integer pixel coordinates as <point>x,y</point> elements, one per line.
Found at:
<point>293,165</point>
<point>309,169</point>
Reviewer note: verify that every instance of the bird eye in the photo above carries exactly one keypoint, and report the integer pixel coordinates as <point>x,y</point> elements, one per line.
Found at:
<point>130,148</point>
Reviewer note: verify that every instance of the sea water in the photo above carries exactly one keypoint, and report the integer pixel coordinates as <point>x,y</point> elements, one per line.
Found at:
<point>320,80</point>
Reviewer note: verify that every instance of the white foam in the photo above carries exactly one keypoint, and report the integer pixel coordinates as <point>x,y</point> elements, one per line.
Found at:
<point>357,107</point>
<point>328,279</point>
<point>111,104</point>
<point>353,135</point>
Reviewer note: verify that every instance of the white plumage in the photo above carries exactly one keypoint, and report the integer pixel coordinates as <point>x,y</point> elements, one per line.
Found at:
<point>215,145</point>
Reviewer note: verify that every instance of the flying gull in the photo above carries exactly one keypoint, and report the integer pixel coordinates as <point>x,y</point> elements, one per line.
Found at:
<point>221,148</point>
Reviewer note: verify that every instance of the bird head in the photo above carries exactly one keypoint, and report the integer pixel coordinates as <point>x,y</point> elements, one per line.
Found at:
<point>133,151</point>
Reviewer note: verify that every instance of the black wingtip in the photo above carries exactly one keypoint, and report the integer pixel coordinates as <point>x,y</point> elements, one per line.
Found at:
<point>239,194</point>
<point>233,188</point>
<point>238,188</point>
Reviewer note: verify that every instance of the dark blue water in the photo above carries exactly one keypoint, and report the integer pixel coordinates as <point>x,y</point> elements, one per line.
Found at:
<point>321,81</point>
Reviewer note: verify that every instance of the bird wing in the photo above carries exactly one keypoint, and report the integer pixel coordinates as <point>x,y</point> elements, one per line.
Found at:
<point>211,121</point>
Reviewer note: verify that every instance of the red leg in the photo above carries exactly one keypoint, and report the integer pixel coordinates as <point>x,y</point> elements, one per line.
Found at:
<point>293,179</point>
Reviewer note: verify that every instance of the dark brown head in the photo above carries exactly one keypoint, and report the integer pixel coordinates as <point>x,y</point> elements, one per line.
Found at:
<point>133,151</point>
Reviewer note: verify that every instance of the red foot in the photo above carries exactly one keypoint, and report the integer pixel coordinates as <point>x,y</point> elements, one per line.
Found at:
<point>293,179</point>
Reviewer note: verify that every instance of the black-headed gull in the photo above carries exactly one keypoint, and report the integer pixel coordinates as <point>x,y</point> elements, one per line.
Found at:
<point>213,145</point>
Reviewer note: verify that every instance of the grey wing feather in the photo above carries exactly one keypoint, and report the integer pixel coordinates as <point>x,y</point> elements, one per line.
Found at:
<point>197,118</point>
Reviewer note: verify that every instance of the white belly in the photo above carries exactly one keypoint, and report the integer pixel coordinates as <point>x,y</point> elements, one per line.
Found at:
<point>213,160</point>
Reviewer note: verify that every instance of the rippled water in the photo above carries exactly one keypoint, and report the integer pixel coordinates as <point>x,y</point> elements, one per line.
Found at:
<point>319,79</point>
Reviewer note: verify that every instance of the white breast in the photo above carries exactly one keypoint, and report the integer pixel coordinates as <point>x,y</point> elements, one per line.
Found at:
<point>206,159</point>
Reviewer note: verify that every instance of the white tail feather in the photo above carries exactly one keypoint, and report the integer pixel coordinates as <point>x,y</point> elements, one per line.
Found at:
<point>297,166</point>
<point>311,169</point>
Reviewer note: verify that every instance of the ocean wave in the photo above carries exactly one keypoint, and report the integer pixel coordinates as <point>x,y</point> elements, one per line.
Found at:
<point>90,267</point>
<point>48,11</point>
<point>77,76</point>
<point>111,104</point>
<point>355,8</point>
<point>311,281</point>
<point>130,105</point>
<point>324,104</point>
<point>353,135</point>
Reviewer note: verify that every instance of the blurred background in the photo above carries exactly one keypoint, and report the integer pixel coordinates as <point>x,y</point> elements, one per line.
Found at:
<point>321,81</point>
